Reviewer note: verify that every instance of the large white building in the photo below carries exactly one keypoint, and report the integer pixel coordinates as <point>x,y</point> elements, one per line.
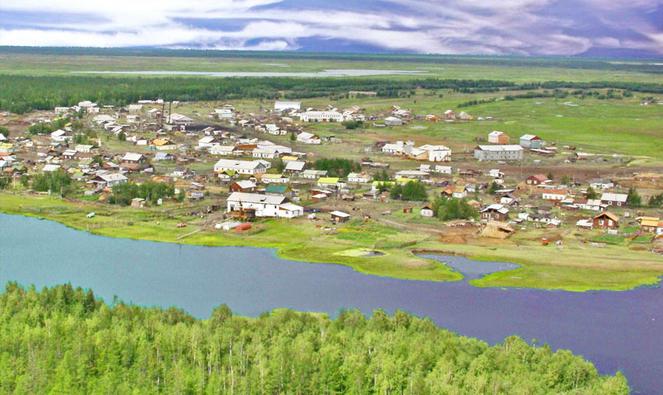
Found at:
<point>287,105</point>
<point>263,205</point>
<point>498,152</point>
<point>321,116</point>
<point>251,167</point>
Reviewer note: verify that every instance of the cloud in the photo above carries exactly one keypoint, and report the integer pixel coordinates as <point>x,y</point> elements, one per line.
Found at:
<point>532,27</point>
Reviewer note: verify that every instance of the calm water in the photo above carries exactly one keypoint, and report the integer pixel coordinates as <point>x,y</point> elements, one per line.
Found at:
<point>616,330</point>
<point>308,74</point>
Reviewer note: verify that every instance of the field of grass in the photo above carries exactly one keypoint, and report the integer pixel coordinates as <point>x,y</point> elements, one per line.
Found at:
<point>615,126</point>
<point>51,64</point>
<point>573,267</point>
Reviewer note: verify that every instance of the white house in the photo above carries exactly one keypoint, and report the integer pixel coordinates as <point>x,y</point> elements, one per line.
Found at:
<point>308,138</point>
<point>393,121</point>
<point>497,137</point>
<point>601,184</point>
<point>179,119</point>
<point>224,113</point>
<point>223,150</point>
<point>498,152</point>
<point>60,136</point>
<point>270,151</point>
<point>109,179</point>
<point>263,205</point>
<point>359,178</point>
<point>252,167</point>
<point>531,141</point>
<point>207,142</point>
<point>295,166</point>
<point>614,199</point>
<point>437,153</point>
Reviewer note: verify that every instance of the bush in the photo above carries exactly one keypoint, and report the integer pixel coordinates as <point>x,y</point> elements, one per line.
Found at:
<point>411,191</point>
<point>55,182</point>
<point>150,191</point>
<point>449,209</point>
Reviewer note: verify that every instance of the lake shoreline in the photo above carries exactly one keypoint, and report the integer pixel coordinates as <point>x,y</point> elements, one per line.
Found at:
<point>73,215</point>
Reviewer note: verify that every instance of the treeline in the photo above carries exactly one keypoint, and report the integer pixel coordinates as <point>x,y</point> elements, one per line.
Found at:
<point>21,94</point>
<point>64,340</point>
<point>337,167</point>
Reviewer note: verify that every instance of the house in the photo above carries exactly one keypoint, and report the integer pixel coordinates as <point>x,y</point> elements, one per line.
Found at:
<point>649,224</point>
<point>243,186</point>
<point>274,179</point>
<point>555,195</point>
<point>328,182</point>
<point>222,150</point>
<point>600,184</point>
<point>531,141</point>
<point>253,167</point>
<point>321,116</point>
<point>50,168</point>
<point>137,202</point>
<point>585,224</point>
<point>339,216</point>
<point>224,113</point>
<point>397,148</point>
<point>60,136</point>
<point>109,180</point>
<point>359,178</point>
<point>272,151</point>
<point>312,174</point>
<point>614,199</point>
<point>275,206</point>
<point>436,153</point>
<point>308,138</point>
<point>276,189</point>
<point>84,148</point>
<point>164,156</point>
<point>497,137</point>
<point>179,120</point>
<point>133,161</point>
<point>393,121</point>
<point>537,179</point>
<point>605,220</point>
<point>207,142</point>
<point>426,211</point>
<point>498,152</point>
<point>281,106</point>
<point>274,130</point>
<point>495,212</point>
<point>163,144</point>
<point>69,154</point>
<point>591,204</point>
<point>294,166</point>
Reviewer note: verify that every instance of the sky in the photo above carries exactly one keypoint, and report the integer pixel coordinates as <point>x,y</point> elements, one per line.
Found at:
<point>499,27</point>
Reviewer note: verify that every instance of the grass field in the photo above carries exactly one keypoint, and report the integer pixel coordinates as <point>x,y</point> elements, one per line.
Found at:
<point>45,64</point>
<point>575,267</point>
<point>615,126</point>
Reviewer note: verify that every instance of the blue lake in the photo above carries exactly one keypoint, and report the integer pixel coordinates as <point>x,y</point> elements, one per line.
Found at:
<point>615,330</point>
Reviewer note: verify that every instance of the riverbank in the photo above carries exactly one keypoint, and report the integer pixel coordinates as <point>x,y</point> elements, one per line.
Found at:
<point>572,268</point>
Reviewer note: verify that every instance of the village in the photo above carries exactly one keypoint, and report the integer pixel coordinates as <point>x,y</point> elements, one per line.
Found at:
<point>235,168</point>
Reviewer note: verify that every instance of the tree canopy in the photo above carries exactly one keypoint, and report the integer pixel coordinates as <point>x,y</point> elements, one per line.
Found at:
<point>64,340</point>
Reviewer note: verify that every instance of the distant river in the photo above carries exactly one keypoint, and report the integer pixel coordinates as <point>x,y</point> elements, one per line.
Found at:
<point>616,330</point>
<point>309,74</point>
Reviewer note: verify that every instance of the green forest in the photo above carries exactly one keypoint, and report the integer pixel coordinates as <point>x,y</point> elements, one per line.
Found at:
<point>21,94</point>
<point>64,340</point>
